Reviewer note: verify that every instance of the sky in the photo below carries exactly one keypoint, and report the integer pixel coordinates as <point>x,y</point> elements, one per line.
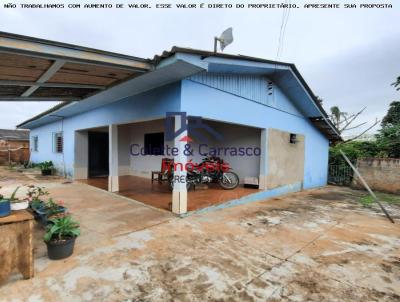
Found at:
<point>349,57</point>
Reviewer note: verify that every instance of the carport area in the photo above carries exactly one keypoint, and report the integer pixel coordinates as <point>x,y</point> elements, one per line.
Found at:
<point>159,195</point>
<point>126,171</point>
<point>316,245</point>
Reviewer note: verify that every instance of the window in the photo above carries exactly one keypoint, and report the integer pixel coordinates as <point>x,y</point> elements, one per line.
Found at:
<point>58,142</point>
<point>154,143</point>
<point>35,143</point>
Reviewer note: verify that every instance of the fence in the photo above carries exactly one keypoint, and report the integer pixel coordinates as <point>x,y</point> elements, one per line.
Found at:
<point>16,155</point>
<point>381,174</point>
<point>340,174</point>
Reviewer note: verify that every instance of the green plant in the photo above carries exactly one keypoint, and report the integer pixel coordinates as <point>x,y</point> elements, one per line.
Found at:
<point>52,207</point>
<point>36,203</point>
<point>46,165</point>
<point>388,140</point>
<point>62,228</point>
<point>12,198</point>
<point>367,200</point>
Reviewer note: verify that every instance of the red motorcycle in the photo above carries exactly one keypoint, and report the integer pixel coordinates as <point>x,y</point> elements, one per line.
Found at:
<point>210,170</point>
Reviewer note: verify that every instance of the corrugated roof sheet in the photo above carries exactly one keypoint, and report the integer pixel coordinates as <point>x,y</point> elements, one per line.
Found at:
<point>322,122</point>
<point>16,135</point>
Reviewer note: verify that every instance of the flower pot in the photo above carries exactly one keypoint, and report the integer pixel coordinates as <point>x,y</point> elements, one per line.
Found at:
<point>21,205</point>
<point>46,172</point>
<point>42,214</point>
<point>5,208</point>
<point>57,250</point>
<point>38,206</point>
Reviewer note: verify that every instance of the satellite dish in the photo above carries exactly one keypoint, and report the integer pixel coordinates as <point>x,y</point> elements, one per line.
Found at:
<point>225,39</point>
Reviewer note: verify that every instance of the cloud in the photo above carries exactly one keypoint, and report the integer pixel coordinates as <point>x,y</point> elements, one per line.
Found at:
<point>359,78</point>
<point>347,56</point>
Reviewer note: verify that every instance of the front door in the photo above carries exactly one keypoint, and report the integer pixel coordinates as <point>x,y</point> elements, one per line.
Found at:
<point>98,154</point>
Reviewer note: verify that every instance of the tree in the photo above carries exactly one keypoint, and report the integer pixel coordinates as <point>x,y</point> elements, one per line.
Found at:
<point>353,150</point>
<point>397,83</point>
<point>344,121</point>
<point>393,115</point>
<point>387,142</point>
<point>388,139</point>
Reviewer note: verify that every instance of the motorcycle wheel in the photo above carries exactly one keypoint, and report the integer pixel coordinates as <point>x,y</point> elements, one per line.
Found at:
<point>229,180</point>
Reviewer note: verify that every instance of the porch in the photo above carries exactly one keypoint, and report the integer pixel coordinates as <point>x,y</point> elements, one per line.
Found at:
<point>112,158</point>
<point>158,194</point>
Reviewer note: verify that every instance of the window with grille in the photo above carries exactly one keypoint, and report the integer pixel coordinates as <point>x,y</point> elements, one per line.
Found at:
<point>35,143</point>
<point>58,142</point>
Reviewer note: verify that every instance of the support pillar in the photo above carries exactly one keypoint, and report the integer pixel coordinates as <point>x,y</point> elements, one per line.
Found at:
<point>81,155</point>
<point>263,160</point>
<point>113,178</point>
<point>179,193</point>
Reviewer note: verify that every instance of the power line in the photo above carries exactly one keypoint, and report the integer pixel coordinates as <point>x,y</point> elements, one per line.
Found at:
<point>285,19</point>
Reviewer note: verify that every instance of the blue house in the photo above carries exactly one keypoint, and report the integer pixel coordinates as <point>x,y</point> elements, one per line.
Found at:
<point>271,128</point>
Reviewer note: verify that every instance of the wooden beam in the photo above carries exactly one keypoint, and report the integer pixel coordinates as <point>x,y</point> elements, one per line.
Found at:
<point>38,99</point>
<point>58,85</point>
<point>45,77</point>
<point>52,50</point>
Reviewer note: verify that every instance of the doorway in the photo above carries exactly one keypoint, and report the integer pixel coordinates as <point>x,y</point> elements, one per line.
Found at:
<point>98,154</point>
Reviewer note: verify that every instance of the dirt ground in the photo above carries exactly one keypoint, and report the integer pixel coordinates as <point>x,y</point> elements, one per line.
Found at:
<point>316,245</point>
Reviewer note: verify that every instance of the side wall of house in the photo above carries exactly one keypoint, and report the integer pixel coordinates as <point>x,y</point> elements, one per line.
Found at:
<point>145,106</point>
<point>214,99</point>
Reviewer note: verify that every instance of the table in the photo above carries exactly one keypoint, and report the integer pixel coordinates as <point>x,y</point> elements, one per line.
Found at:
<point>16,247</point>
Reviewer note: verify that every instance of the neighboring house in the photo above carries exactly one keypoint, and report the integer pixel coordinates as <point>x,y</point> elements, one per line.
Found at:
<point>14,146</point>
<point>252,103</point>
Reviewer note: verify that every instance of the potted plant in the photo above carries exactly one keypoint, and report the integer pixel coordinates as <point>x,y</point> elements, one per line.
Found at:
<point>8,204</point>
<point>54,207</point>
<point>18,204</point>
<point>34,196</point>
<point>5,208</point>
<point>46,167</point>
<point>45,211</point>
<point>60,237</point>
<point>37,204</point>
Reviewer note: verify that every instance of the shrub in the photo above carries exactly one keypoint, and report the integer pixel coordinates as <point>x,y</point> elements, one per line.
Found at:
<point>46,165</point>
<point>62,228</point>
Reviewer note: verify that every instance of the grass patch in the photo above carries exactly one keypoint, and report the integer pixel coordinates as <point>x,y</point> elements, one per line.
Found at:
<point>367,200</point>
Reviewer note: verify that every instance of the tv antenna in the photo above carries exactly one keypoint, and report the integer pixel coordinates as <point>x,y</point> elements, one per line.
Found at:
<point>225,39</point>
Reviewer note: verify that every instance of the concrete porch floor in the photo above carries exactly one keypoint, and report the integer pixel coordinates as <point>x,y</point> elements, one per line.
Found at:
<point>316,245</point>
<point>158,194</point>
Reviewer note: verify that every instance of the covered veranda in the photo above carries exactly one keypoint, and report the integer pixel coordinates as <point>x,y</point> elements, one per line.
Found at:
<point>158,194</point>
<point>129,174</point>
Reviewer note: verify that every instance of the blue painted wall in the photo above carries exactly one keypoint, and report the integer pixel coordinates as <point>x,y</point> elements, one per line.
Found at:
<point>251,87</point>
<point>232,98</point>
<point>208,102</point>
<point>149,105</point>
